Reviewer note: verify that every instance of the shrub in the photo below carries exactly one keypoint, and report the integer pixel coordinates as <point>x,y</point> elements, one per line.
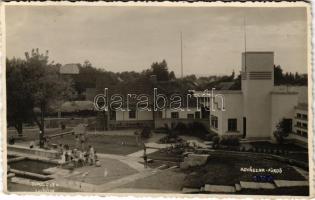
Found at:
<point>199,129</point>
<point>209,136</point>
<point>146,132</point>
<point>230,141</point>
<point>181,128</point>
<point>216,141</point>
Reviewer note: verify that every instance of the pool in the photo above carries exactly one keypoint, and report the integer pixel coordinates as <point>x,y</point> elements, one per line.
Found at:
<point>33,166</point>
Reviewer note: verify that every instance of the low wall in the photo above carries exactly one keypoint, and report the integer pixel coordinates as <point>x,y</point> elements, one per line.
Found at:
<point>128,124</point>
<point>37,152</point>
<point>69,122</point>
<point>159,123</point>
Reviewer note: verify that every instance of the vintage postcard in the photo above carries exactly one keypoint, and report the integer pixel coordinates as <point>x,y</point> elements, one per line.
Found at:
<point>157,98</point>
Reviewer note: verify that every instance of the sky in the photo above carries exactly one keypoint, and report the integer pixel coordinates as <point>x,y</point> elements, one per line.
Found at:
<point>132,38</point>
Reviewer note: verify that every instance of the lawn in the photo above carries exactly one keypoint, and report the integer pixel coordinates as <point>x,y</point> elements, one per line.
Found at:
<point>121,145</point>
<point>165,156</point>
<point>224,169</point>
<point>285,147</point>
<point>293,151</point>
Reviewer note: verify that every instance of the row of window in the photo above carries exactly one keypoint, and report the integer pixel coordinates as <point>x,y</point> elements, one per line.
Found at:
<point>301,133</point>
<point>174,115</point>
<point>232,123</point>
<point>301,116</point>
<point>301,125</point>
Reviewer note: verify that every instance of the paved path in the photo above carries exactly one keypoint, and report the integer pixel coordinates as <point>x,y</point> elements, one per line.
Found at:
<point>139,154</point>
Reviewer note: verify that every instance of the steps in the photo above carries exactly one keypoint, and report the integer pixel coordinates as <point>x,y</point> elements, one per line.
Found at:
<point>209,188</point>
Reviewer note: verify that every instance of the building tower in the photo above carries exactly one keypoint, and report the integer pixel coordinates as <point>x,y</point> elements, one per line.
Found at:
<point>257,84</point>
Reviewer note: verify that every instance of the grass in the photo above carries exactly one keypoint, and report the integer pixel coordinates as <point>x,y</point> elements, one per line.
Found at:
<point>294,152</point>
<point>166,156</point>
<point>104,143</point>
<point>285,147</point>
<point>224,169</point>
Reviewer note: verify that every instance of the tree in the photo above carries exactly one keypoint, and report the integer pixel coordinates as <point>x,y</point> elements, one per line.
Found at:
<point>160,70</point>
<point>42,88</point>
<point>282,131</point>
<point>172,75</point>
<point>19,103</point>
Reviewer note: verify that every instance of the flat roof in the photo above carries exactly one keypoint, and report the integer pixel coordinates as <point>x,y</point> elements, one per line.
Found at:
<point>201,93</point>
<point>257,52</point>
<point>284,92</point>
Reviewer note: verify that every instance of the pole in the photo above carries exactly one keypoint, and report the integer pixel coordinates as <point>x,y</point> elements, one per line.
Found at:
<point>181,54</point>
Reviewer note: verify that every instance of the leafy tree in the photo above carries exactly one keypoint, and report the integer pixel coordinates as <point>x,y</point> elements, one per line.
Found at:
<point>282,131</point>
<point>42,87</point>
<point>160,70</point>
<point>19,102</point>
<point>172,75</point>
<point>288,78</point>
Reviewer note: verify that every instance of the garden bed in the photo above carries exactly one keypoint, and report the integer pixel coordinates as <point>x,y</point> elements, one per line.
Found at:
<point>225,169</point>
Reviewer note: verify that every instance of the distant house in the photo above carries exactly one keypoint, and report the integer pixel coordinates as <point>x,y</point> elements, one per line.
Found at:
<point>135,118</point>
<point>254,111</point>
<point>69,70</point>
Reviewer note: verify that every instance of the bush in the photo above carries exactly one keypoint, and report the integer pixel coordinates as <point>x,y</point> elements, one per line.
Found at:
<point>230,141</point>
<point>209,136</point>
<point>216,141</point>
<point>181,127</point>
<point>199,129</point>
<point>146,132</point>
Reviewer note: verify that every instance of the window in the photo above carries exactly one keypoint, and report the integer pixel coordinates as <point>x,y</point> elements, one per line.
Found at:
<point>299,132</point>
<point>174,115</point>
<point>287,123</point>
<point>190,116</point>
<point>112,115</point>
<point>132,114</point>
<point>304,134</point>
<point>298,124</point>
<point>232,125</point>
<point>158,114</point>
<point>298,115</point>
<point>304,116</point>
<point>214,122</point>
<point>197,115</point>
<point>304,125</point>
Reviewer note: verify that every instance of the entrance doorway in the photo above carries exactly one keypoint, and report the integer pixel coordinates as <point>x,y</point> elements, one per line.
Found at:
<point>244,127</point>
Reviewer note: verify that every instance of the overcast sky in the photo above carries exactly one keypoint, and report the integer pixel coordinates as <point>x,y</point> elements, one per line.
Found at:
<point>131,38</point>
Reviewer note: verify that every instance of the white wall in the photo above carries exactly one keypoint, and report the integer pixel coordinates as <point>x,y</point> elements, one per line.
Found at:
<point>166,114</point>
<point>140,115</point>
<point>233,105</point>
<point>282,107</point>
<point>256,94</point>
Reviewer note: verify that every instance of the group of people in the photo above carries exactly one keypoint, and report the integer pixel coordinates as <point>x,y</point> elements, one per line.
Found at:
<point>79,157</point>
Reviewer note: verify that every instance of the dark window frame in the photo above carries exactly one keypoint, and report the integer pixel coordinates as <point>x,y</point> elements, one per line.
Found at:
<point>232,125</point>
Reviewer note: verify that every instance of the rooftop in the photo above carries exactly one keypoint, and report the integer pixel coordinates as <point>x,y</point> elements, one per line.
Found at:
<point>69,69</point>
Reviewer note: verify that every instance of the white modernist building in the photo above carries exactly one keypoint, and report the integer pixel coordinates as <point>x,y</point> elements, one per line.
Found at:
<point>254,111</point>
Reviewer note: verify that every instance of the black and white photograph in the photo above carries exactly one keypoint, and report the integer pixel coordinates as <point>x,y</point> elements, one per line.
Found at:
<point>157,98</point>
